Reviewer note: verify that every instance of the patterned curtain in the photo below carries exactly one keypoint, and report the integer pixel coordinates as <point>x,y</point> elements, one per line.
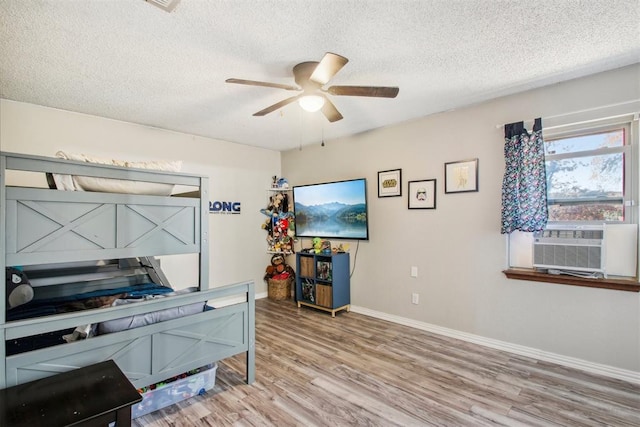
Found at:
<point>524,188</point>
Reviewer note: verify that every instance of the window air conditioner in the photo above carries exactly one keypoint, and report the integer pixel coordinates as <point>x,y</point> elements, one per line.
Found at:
<point>582,249</point>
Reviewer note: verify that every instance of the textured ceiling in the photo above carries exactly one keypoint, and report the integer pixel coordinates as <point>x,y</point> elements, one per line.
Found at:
<point>129,60</point>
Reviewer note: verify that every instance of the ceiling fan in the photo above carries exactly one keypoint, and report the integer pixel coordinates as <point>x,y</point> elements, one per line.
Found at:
<point>310,78</point>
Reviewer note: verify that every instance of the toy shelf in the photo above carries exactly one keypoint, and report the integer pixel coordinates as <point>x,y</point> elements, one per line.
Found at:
<point>322,281</point>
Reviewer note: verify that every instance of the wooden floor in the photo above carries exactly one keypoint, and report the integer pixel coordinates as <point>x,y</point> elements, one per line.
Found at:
<point>312,370</point>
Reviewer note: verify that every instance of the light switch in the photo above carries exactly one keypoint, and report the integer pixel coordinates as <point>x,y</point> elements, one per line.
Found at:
<point>414,271</point>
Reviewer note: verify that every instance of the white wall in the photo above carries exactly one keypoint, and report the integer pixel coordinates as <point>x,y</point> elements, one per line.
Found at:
<point>458,248</point>
<point>236,173</point>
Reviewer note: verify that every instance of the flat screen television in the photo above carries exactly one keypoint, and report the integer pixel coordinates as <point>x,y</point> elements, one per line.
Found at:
<point>332,210</point>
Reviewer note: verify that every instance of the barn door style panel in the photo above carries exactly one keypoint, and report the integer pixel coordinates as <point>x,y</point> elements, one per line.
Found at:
<point>148,227</point>
<point>49,227</point>
<point>132,356</point>
<point>148,354</point>
<point>205,340</point>
<point>101,226</point>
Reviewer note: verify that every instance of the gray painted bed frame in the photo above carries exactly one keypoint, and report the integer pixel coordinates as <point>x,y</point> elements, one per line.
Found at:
<point>43,226</point>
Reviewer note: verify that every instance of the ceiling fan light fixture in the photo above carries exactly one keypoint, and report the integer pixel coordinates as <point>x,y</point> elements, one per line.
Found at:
<point>310,77</point>
<point>311,103</point>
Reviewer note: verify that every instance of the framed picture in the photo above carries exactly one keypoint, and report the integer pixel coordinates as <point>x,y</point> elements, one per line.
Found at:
<point>461,176</point>
<point>390,183</point>
<point>422,194</point>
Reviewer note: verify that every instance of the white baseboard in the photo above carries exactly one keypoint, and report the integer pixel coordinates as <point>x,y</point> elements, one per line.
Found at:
<point>596,368</point>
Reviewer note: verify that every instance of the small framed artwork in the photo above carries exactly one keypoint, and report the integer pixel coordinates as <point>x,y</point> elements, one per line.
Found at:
<point>390,183</point>
<point>422,194</point>
<point>461,176</point>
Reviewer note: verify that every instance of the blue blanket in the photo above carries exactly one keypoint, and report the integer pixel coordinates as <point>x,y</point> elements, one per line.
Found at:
<point>94,299</point>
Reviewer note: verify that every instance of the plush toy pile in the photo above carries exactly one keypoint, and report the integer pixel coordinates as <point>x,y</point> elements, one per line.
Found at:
<point>279,225</point>
<point>279,269</point>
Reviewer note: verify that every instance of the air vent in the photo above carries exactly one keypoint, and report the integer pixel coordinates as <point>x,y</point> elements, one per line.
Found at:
<point>167,5</point>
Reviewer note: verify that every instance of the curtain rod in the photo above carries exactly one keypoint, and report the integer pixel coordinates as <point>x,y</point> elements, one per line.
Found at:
<point>586,110</point>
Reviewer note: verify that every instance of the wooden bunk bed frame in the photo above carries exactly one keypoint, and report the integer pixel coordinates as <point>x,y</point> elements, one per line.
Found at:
<point>44,226</point>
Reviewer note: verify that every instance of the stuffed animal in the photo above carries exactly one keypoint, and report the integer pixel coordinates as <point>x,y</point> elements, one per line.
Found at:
<point>271,208</point>
<point>282,225</point>
<point>267,225</point>
<point>287,244</point>
<point>277,201</point>
<point>19,290</point>
<point>278,269</point>
<point>283,183</point>
<point>277,261</point>
<point>317,244</point>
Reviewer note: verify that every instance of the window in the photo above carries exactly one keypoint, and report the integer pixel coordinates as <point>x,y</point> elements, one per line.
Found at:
<point>592,159</point>
<point>592,176</point>
<point>587,175</point>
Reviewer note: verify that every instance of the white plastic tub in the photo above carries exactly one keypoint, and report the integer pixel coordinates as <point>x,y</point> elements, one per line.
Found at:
<point>164,394</point>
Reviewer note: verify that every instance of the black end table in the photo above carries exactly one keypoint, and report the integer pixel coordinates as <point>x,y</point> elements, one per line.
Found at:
<point>91,396</point>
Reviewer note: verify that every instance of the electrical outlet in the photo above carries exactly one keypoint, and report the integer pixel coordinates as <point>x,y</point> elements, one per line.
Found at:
<point>414,271</point>
<point>415,298</point>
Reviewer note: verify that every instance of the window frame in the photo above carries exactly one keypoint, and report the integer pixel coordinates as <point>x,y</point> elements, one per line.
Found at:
<point>519,265</point>
<point>629,163</point>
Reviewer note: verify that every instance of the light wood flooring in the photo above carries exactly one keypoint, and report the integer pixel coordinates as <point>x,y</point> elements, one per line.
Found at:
<point>312,370</point>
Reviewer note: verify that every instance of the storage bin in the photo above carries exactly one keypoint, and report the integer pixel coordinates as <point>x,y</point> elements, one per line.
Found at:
<point>168,393</point>
<point>306,266</point>
<point>279,289</point>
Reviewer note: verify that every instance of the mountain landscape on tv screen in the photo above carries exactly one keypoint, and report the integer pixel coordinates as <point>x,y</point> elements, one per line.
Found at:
<point>331,219</point>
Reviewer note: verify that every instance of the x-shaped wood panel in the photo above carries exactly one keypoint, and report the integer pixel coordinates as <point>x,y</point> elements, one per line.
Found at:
<point>159,226</point>
<point>67,226</point>
<point>201,339</point>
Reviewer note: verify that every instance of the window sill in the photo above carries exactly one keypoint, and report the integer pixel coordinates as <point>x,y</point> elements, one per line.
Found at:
<point>629,285</point>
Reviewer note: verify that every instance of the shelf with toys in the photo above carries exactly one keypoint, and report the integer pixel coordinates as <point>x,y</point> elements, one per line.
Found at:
<point>323,280</point>
<point>279,224</point>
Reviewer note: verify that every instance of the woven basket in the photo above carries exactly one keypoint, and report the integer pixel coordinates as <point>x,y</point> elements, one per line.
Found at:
<point>279,289</point>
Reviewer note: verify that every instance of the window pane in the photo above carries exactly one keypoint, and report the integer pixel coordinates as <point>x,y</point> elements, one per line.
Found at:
<point>586,142</point>
<point>586,188</point>
<point>587,212</point>
<point>585,177</point>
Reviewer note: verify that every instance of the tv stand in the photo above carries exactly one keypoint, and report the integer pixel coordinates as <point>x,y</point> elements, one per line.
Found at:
<point>322,281</point>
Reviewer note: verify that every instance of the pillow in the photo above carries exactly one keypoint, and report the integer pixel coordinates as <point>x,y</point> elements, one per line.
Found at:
<point>166,166</point>
<point>145,319</point>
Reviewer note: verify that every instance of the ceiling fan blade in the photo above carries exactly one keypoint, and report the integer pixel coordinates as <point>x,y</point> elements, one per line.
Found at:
<point>328,67</point>
<point>330,111</point>
<point>265,84</point>
<point>373,91</point>
<point>277,105</point>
